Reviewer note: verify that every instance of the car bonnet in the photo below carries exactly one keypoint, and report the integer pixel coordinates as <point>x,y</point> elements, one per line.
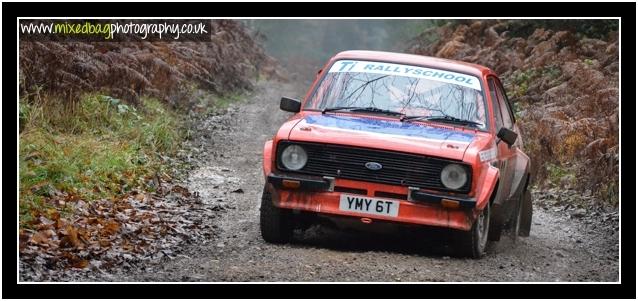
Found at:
<point>378,133</point>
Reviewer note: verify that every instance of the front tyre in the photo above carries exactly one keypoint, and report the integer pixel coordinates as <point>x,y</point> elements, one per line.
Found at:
<point>275,223</point>
<point>473,243</point>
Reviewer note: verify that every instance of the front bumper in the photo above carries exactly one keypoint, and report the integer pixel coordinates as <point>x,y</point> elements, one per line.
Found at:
<point>305,183</point>
<point>321,195</point>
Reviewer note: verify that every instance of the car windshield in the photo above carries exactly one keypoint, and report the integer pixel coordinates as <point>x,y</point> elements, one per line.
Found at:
<point>410,90</point>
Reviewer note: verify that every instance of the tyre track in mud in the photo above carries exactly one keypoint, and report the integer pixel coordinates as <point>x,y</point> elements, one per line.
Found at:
<point>560,248</point>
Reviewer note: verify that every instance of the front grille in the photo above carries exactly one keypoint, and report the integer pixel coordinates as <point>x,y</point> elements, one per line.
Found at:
<point>398,168</point>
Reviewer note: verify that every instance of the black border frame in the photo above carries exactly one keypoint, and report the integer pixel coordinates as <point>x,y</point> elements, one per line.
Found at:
<point>626,289</point>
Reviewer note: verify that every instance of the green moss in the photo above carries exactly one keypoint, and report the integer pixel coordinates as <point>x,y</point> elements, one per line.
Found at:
<point>208,102</point>
<point>609,191</point>
<point>520,80</point>
<point>559,175</point>
<point>225,101</point>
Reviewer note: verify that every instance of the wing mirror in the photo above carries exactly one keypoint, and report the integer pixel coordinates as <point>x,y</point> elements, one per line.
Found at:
<point>507,135</point>
<point>290,105</point>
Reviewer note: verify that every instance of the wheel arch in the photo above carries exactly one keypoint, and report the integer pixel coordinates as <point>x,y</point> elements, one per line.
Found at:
<point>488,182</point>
<point>267,163</point>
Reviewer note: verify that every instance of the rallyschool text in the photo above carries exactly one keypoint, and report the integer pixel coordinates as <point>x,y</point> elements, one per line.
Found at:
<point>406,70</point>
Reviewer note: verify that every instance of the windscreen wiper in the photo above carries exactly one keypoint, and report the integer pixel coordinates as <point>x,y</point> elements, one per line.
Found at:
<point>363,109</point>
<point>336,109</point>
<point>442,118</point>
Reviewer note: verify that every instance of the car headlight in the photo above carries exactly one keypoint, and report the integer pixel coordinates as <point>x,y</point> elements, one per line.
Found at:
<point>294,157</point>
<point>453,176</point>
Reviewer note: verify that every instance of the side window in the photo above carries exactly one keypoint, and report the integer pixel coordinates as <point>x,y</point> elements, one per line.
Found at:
<point>508,117</point>
<point>495,104</point>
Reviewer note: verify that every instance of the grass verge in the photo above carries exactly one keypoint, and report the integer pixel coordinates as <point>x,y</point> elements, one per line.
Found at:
<point>100,148</point>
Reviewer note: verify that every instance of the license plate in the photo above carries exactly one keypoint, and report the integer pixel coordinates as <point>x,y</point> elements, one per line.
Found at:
<point>364,204</point>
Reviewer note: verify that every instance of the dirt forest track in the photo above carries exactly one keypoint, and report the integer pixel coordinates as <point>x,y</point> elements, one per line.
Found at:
<point>565,245</point>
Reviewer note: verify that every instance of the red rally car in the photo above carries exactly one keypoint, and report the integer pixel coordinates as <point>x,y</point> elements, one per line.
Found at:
<point>390,138</point>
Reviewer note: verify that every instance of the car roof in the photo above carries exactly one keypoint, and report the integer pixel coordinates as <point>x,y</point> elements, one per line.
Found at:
<point>413,59</point>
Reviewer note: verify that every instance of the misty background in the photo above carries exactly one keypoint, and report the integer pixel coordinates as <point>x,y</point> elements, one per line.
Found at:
<point>303,46</point>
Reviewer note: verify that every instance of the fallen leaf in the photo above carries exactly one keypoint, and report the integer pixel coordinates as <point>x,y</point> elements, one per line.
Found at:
<point>80,263</point>
<point>71,197</point>
<point>54,214</point>
<point>60,223</point>
<point>39,237</point>
<point>71,238</point>
<point>49,233</point>
<point>46,221</point>
<point>24,239</point>
<point>111,227</point>
<point>83,236</point>
<point>182,190</point>
<point>44,225</point>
